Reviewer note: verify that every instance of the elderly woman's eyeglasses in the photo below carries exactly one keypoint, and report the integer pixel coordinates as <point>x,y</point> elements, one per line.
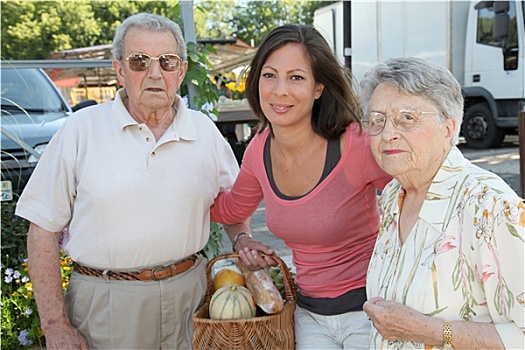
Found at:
<point>140,62</point>
<point>403,120</point>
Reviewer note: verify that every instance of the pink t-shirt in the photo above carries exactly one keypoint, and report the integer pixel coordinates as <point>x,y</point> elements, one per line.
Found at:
<point>331,230</point>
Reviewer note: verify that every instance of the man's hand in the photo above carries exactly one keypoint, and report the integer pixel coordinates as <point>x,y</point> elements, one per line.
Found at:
<point>65,338</point>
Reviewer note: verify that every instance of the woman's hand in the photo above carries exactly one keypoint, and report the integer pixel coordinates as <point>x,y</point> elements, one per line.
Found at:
<point>250,252</point>
<point>396,321</point>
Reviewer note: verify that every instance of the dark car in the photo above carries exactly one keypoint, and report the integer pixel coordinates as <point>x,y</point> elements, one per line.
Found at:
<point>32,112</point>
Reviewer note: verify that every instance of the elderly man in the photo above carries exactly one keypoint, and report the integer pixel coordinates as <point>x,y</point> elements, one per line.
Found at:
<point>133,180</point>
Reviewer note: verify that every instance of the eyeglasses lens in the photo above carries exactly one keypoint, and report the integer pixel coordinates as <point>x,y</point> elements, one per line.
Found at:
<point>375,123</point>
<point>170,63</point>
<point>402,120</point>
<point>141,62</point>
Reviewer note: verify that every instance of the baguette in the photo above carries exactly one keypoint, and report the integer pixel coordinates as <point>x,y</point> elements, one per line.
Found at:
<point>260,284</point>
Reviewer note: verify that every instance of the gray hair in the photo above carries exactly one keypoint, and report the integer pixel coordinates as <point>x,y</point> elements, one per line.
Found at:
<point>151,22</point>
<point>415,76</point>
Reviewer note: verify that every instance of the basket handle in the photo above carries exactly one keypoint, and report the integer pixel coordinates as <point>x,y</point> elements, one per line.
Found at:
<point>288,282</point>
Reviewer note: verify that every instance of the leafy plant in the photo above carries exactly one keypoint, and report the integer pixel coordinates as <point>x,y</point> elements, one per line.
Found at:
<point>206,95</point>
<point>214,244</point>
<point>206,92</point>
<point>14,234</point>
<point>20,324</point>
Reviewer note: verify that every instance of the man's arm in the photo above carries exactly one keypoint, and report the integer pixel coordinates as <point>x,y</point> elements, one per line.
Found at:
<point>44,269</point>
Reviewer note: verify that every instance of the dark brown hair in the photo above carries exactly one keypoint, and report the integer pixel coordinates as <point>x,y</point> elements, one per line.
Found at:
<point>338,105</point>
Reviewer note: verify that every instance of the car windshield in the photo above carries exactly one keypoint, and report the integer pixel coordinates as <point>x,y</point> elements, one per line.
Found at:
<point>28,90</point>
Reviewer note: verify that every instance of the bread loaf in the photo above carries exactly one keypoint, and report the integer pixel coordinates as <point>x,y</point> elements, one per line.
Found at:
<point>260,284</point>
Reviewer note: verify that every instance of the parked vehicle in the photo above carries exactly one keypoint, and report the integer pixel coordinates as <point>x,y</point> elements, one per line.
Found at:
<point>480,42</point>
<point>32,110</point>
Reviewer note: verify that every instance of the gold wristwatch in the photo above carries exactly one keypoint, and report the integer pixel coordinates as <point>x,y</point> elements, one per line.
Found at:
<point>447,335</point>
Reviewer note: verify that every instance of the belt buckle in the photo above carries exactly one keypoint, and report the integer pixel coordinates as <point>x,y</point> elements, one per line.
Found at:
<point>157,269</point>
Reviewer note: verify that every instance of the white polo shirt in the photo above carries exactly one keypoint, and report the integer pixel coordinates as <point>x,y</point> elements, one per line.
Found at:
<point>129,201</point>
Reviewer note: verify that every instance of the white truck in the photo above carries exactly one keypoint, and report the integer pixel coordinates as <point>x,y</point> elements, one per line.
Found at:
<point>481,42</point>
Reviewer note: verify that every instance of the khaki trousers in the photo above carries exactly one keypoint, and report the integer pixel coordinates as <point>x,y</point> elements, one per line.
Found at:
<point>135,314</point>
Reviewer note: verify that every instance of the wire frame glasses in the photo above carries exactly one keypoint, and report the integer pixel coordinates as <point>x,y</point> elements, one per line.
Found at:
<point>140,62</point>
<point>402,119</point>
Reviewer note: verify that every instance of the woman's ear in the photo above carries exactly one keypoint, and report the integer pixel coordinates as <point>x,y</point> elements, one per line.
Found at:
<point>318,91</point>
<point>450,127</point>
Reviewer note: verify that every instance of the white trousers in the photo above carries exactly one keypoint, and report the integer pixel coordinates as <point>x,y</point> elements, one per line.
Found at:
<point>350,330</point>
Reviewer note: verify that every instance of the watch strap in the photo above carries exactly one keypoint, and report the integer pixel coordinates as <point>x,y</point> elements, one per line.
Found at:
<point>239,235</point>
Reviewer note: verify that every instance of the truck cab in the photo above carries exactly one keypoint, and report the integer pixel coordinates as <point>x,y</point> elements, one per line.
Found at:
<point>481,42</point>
<point>494,77</point>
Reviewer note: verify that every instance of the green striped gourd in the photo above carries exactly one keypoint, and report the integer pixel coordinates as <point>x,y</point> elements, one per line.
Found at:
<point>232,302</point>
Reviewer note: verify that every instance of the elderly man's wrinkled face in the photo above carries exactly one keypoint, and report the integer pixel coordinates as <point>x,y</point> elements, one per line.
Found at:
<point>413,149</point>
<point>154,88</point>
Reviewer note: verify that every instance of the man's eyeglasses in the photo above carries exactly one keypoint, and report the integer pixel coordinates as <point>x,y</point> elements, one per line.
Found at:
<point>403,120</point>
<point>140,62</point>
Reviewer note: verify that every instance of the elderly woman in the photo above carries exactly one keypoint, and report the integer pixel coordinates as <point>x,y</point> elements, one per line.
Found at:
<point>447,268</point>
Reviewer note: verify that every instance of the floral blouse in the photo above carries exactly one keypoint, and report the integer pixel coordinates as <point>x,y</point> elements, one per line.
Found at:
<point>463,259</point>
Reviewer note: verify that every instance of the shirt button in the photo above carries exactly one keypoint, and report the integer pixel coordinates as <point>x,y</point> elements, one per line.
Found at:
<point>153,154</point>
<point>147,139</point>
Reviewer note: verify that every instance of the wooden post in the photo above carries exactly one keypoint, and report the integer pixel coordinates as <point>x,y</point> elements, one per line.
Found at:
<point>521,143</point>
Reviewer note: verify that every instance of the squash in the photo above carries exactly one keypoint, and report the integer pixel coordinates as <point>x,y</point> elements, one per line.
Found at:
<point>227,276</point>
<point>231,302</point>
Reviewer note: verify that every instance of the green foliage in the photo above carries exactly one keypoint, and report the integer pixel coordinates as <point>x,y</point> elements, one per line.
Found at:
<point>36,29</point>
<point>214,244</point>
<point>255,19</point>
<point>19,315</point>
<point>14,236</point>
<point>20,323</point>
<point>206,92</point>
<point>213,19</point>
<point>18,305</point>
<point>33,30</point>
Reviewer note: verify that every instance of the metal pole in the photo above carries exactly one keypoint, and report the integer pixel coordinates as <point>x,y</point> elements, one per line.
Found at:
<point>186,13</point>
<point>521,142</point>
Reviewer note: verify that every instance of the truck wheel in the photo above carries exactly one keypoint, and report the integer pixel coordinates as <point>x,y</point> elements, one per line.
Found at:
<point>479,129</point>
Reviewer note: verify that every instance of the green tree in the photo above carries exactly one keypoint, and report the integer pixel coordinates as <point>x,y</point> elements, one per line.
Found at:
<point>213,19</point>
<point>254,19</point>
<point>32,30</point>
<point>36,29</point>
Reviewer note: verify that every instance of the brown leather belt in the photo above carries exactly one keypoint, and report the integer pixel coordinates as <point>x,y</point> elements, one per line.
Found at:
<point>155,274</point>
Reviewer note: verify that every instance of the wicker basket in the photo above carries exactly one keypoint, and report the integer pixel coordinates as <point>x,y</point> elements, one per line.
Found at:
<point>260,332</point>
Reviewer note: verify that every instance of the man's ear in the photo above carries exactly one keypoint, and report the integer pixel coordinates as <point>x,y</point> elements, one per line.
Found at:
<point>183,70</point>
<point>119,70</point>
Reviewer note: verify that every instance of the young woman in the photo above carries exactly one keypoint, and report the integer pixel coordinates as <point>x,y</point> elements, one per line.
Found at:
<point>311,163</point>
